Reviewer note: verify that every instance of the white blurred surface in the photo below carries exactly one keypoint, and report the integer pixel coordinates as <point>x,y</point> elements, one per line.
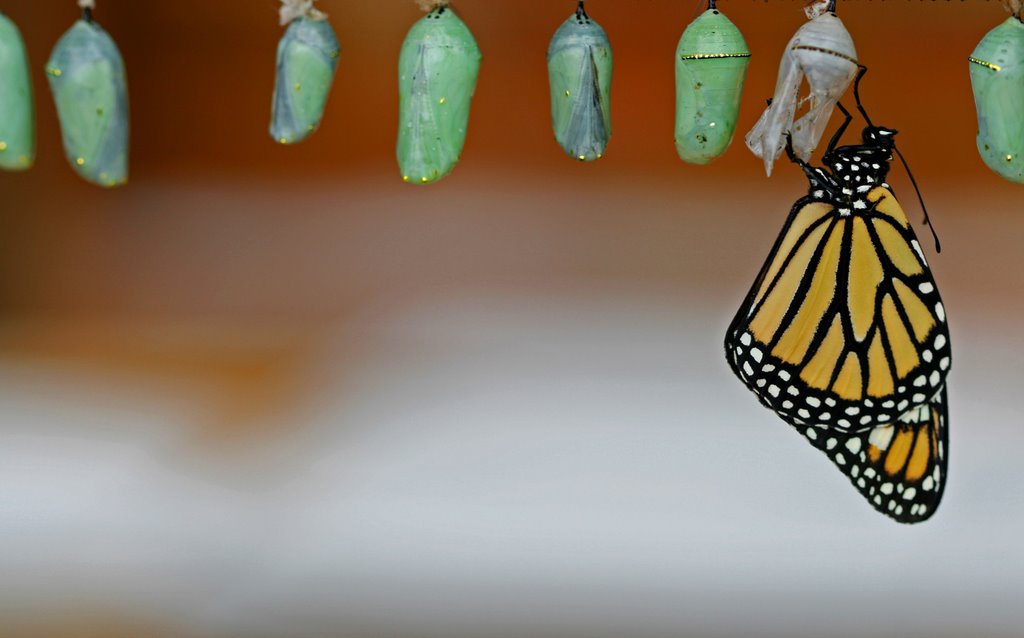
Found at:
<point>505,464</point>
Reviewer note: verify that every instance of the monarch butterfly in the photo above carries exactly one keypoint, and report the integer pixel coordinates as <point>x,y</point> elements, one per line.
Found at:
<point>17,127</point>
<point>580,76</point>
<point>711,68</point>
<point>843,333</point>
<point>823,52</point>
<point>437,73</point>
<point>307,57</point>
<point>997,77</point>
<point>87,79</point>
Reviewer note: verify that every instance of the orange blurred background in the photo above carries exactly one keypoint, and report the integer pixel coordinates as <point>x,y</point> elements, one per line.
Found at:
<point>239,298</point>
<point>219,220</point>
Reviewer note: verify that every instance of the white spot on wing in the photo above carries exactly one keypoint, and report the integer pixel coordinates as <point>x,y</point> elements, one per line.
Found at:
<point>920,253</point>
<point>881,437</point>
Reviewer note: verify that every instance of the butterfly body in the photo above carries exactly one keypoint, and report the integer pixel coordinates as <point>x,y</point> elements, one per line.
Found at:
<point>844,334</point>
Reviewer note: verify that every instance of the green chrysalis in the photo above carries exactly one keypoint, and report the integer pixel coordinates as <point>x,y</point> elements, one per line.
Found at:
<point>87,78</point>
<point>580,73</point>
<point>437,72</point>
<point>17,114</point>
<point>307,58</point>
<point>997,77</point>
<point>711,67</point>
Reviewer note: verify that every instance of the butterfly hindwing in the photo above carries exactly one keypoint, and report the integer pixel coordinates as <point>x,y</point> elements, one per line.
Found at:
<point>900,467</point>
<point>844,325</point>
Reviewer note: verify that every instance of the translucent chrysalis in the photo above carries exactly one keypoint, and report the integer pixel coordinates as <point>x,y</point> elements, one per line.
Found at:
<point>821,51</point>
<point>17,114</point>
<point>997,77</point>
<point>580,74</point>
<point>711,67</point>
<point>87,79</point>
<point>437,73</point>
<point>307,57</point>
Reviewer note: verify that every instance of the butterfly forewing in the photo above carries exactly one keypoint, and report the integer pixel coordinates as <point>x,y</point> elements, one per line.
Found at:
<point>844,325</point>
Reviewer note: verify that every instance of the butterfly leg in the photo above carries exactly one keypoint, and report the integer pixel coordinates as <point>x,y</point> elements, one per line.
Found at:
<point>856,93</point>
<point>791,154</point>
<point>847,118</point>
<point>818,179</point>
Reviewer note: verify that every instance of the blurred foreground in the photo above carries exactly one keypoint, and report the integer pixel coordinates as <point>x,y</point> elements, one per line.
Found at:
<point>518,423</point>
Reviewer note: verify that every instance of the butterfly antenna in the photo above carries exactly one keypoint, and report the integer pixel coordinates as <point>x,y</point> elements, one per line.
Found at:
<point>927,220</point>
<point>712,5</point>
<point>581,13</point>
<point>832,6</point>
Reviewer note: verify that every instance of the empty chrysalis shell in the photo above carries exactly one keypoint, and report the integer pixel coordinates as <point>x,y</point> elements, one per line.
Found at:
<point>997,77</point>
<point>87,78</point>
<point>580,74</point>
<point>821,51</point>
<point>307,58</point>
<point>17,115</point>
<point>437,73</point>
<point>711,67</point>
